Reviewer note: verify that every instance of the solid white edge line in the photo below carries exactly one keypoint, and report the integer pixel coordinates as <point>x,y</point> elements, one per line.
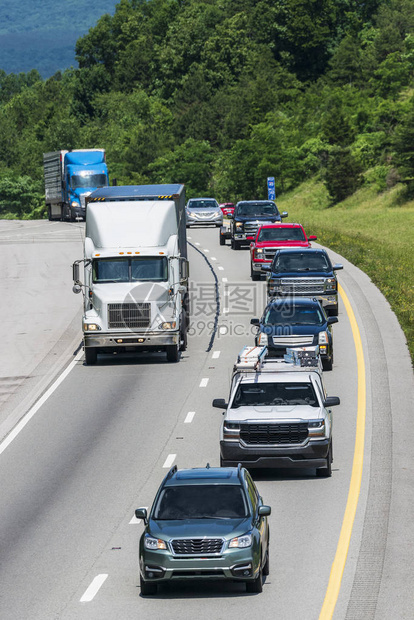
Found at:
<point>93,588</point>
<point>29,415</point>
<point>204,382</point>
<point>189,417</point>
<point>169,461</point>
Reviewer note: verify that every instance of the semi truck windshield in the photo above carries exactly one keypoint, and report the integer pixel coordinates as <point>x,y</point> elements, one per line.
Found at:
<point>88,180</point>
<point>143,269</point>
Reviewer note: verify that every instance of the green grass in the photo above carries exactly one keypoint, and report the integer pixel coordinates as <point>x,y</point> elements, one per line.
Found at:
<point>373,231</point>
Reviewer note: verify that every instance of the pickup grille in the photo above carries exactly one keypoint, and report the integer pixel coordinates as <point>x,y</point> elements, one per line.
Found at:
<point>293,341</point>
<point>251,228</point>
<point>313,286</point>
<point>129,316</point>
<point>274,434</point>
<point>197,546</point>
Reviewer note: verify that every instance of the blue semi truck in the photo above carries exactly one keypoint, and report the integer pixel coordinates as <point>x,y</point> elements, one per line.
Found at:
<point>70,176</point>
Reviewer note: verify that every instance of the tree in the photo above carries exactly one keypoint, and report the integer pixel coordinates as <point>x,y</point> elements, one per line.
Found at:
<point>342,174</point>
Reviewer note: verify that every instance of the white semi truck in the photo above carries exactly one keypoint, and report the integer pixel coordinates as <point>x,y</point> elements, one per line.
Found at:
<point>135,271</point>
<point>278,413</point>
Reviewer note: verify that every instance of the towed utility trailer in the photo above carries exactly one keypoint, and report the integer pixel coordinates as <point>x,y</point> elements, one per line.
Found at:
<point>278,413</point>
<point>135,271</point>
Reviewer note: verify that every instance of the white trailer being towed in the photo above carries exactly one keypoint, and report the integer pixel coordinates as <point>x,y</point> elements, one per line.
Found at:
<point>278,413</point>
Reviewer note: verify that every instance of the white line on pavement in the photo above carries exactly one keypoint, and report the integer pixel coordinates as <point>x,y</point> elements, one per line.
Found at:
<point>203,382</point>
<point>213,258</point>
<point>189,417</point>
<point>197,243</point>
<point>169,460</point>
<point>224,280</point>
<point>206,250</point>
<point>29,415</point>
<point>221,268</point>
<point>93,588</point>
<point>216,355</point>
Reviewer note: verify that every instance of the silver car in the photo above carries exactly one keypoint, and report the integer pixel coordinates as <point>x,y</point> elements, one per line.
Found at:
<point>202,211</point>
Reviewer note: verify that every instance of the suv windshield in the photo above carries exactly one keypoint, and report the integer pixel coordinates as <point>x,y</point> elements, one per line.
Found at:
<point>202,204</point>
<point>281,234</point>
<point>147,268</point>
<point>258,209</point>
<point>201,502</point>
<point>294,315</point>
<point>273,394</point>
<point>306,261</point>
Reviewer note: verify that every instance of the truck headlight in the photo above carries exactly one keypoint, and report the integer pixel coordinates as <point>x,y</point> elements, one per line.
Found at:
<point>74,203</point>
<point>330,284</point>
<point>239,224</point>
<point>90,327</point>
<point>323,338</point>
<point>273,285</point>
<point>241,542</point>
<point>154,543</point>
<point>169,325</point>
<point>316,428</point>
<point>231,431</point>
<point>259,250</point>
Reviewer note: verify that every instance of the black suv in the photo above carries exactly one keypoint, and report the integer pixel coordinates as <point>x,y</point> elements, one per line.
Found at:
<point>304,273</point>
<point>247,218</point>
<point>205,523</point>
<point>296,322</point>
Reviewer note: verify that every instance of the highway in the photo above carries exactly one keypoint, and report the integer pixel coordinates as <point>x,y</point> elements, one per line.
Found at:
<point>104,437</point>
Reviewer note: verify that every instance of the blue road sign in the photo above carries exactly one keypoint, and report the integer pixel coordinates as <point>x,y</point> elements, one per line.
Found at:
<point>271,190</point>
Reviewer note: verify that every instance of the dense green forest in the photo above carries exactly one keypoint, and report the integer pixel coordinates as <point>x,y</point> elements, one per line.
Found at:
<point>219,95</point>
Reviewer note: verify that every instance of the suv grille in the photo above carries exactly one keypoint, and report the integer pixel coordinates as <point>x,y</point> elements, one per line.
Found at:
<point>128,316</point>
<point>197,546</point>
<point>303,285</point>
<point>268,434</point>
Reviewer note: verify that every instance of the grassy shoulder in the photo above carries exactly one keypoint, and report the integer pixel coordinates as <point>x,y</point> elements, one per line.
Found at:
<point>373,231</point>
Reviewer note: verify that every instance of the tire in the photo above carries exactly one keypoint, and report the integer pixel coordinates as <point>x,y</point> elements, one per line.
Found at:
<point>266,566</point>
<point>333,311</point>
<point>222,239</point>
<point>232,243</point>
<point>236,245</point>
<point>254,275</point>
<point>147,589</point>
<point>328,363</point>
<point>256,586</point>
<point>326,472</point>
<point>49,214</point>
<point>183,336</point>
<point>91,356</point>
<point>172,353</point>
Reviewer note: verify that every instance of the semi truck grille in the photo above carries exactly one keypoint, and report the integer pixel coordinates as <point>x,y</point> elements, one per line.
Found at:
<point>313,286</point>
<point>271,434</point>
<point>129,316</point>
<point>197,546</point>
<point>293,341</point>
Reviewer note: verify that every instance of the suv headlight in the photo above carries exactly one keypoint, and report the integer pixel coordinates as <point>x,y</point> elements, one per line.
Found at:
<point>241,542</point>
<point>323,338</point>
<point>316,428</point>
<point>330,284</point>
<point>154,543</point>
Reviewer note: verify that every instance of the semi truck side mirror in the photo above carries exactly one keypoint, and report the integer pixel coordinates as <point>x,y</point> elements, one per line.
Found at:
<point>76,288</point>
<point>75,272</point>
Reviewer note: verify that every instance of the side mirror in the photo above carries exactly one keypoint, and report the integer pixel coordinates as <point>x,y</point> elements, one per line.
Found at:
<point>337,267</point>
<point>312,238</point>
<point>331,401</point>
<point>219,403</point>
<point>141,513</point>
<point>332,320</point>
<point>230,216</point>
<point>75,272</point>
<point>76,288</point>
<point>266,267</point>
<point>254,322</point>
<point>264,511</point>
<point>284,214</point>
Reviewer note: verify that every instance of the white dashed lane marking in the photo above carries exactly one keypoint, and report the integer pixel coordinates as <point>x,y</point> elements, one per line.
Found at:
<point>204,382</point>
<point>216,355</point>
<point>169,461</point>
<point>189,417</point>
<point>93,588</point>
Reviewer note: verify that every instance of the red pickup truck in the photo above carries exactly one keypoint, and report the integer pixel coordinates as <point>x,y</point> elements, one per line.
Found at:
<point>271,237</point>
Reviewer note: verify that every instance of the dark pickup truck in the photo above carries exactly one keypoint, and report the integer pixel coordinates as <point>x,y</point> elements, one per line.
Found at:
<point>248,216</point>
<point>304,273</point>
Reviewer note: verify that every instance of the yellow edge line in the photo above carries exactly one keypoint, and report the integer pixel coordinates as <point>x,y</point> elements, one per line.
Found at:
<point>338,565</point>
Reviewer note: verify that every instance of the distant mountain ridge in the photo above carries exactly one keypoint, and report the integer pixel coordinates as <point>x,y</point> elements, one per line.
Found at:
<point>42,35</point>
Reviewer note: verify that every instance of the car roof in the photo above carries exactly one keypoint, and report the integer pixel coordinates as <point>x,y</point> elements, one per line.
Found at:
<point>202,198</point>
<point>204,475</point>
<point>280,225</point>
<point>301,250</point>
<point>254,202</point>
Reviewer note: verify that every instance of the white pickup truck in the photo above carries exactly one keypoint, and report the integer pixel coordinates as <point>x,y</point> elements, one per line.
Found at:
<point>278,414</point>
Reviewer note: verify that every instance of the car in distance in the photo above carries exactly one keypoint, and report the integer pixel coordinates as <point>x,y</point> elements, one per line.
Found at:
<point>203,211</point>
<point>273,236</point>
<point>227,208</point>
<point>296,322</point>
<point>304,273</point>
<point>248,216</point>
<point>205,524</point>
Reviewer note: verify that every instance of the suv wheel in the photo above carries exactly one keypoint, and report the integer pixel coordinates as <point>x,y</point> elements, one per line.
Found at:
<point>326,472</point>
<point>147,588</point>
<point>255,586</point>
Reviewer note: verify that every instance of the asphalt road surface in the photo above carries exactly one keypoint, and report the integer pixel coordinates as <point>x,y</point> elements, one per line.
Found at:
<point>102,437</point>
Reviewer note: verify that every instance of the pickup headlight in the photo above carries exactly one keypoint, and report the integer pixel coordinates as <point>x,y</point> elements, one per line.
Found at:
<point>241,542</point>
<point>262,340</point>
<point>154,543</point>
<point>231,431</point>
<point>323,338</point>
<point>316,428</point>
<point>259,250</point>
<point>239,224</point>
<point>330,284</point>
<point>273,285</point>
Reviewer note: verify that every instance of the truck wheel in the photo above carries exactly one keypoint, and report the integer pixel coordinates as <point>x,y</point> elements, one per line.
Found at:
<point>172,353</point>
<point>333,311</point>
<point>328,363</point>
<point>222,239</point>
<point>326,472</point>
<point>183,334</point>
<point>91,356</point>
<point>147,589</point>
<point>255,586</point>
<point>235,245</point>
<point>253,274</point>
<point>49,214</point>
